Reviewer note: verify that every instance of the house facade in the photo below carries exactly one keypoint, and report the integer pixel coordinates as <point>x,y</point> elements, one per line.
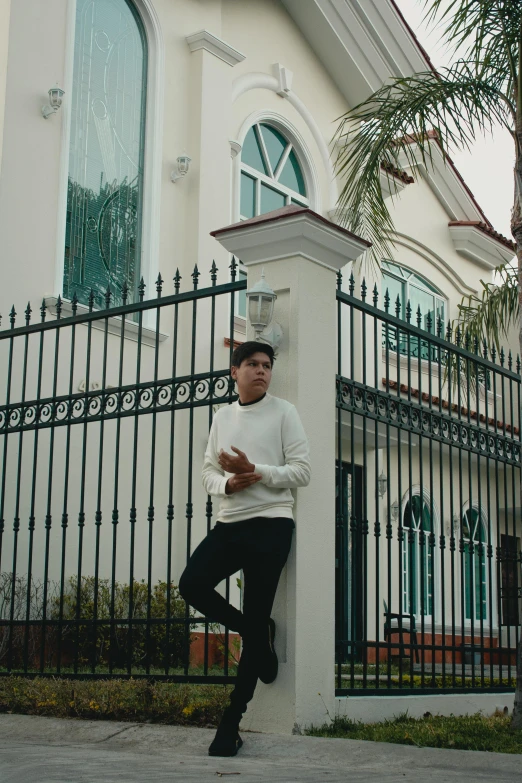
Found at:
<point>179,118</point>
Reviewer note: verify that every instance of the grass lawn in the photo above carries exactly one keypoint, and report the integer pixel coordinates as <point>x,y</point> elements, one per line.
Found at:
<point>469,732</point>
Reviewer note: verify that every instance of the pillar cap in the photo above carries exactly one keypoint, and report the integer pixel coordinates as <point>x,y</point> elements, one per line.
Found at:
<point>288,232</point>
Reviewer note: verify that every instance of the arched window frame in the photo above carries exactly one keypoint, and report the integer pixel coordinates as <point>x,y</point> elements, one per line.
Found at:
<point>150,235</point>
<point>470,561</point>
<point>293,136</point>
<point>408,279</point>
<point>411,550</point>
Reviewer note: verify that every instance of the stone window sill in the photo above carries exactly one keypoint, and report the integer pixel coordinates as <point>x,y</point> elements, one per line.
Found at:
<point>130,330</point>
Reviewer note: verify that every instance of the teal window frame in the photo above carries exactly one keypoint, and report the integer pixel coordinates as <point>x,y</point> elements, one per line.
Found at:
<point>474,545</point>
<point>398,279</point>
<point>418,578</point>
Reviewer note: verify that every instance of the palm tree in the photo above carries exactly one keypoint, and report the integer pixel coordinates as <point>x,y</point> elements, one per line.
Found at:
<point>479,92</point>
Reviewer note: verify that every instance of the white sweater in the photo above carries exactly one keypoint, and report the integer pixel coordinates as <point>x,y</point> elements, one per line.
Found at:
<point>272,436</point>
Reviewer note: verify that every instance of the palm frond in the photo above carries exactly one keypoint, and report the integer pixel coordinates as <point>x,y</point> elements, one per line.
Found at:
<point>487,317</point>
<point>393,126</point>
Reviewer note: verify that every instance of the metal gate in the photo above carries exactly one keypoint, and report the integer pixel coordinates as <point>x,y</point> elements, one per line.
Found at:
<point>103,425</point>
<point>428,558</point>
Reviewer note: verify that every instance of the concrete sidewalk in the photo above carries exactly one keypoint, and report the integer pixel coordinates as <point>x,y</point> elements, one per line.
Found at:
<point>48,750</point>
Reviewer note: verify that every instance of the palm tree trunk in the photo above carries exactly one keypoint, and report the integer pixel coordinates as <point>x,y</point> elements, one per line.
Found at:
<point>516,230</point>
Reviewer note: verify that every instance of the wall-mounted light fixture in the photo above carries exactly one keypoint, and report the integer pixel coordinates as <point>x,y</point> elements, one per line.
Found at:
<point>55,101</point>
<point>382,485</point>
<point>394,510</point>
<point>181,168</point>
<point>261,300</point>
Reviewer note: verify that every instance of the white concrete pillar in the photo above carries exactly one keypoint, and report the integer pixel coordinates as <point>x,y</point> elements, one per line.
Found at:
<point>301,252</point>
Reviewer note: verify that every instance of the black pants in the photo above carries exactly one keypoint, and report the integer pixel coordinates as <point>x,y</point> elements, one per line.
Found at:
<point>259,547</point>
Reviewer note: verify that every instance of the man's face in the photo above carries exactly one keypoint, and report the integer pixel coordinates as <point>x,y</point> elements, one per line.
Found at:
<point>253,376</point>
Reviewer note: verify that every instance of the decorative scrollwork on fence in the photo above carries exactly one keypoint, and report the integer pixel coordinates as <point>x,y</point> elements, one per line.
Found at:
<point>410,416</point>
<point>151,397</point>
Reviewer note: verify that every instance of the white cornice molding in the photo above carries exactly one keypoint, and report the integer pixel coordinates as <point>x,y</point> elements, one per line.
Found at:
<point>474,244</point>
<point>235,148</point>
<point>211,43</point>
<point>362,43</point>
<point>437,261</point>
<point>303,234</point>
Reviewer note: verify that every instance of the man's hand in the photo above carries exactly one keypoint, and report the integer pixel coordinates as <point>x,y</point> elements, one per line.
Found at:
<point>242,481</point>
<point>238,465</point>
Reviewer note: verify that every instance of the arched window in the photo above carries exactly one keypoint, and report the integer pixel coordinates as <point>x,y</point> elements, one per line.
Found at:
<point>406,286</point>
<point>105,186</point>
<point>271,178</point>
<point>417,556</point>
<point>474,536</point>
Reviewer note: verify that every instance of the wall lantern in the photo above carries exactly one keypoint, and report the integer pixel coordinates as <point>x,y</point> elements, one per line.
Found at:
<point>182,167</point>
<point>55,101</point>
<point>394,510</point>
<point>261,300</point>
<point>382,485</point>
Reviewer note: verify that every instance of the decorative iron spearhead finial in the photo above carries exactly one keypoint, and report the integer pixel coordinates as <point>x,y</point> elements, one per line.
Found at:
<point>124,292</point>
<point>233,269</point>
<point>12,316</point>
<point>195,276</point>
<point>108,296</point>
<point>386,301</point>
<point>476,344</point>
<point>43,310</point>
<point>28,311</point>
<point>213,273</point>
<point>510,360</point>
<point>457,336</point>
<point>351,286</point>
<point>398,307</point>
<point>59,307</point>
<point>467,340</point>
<point>419,317</point>
<point>141,289</point>
<point>408,311</point>
<point>363,289</point>
<point>493,353</point>
<point>177,281</point>
<point>339,280</point>
<point>74,304</point>
<point>502,357</point>
<point>429,322</point>
<point>449,331</point>
<point>375,295</point>
<point>91,301</point>
<point>518,364</point>
<point>439,325</point>
<point>159,285</point>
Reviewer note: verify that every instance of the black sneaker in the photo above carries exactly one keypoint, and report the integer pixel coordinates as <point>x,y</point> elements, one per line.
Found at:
<point>226,742</point>
<point>269,664</point>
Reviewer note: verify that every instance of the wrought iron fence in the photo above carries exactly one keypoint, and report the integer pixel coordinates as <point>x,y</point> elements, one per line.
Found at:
<point>428,552</point>
<point>103,424</point>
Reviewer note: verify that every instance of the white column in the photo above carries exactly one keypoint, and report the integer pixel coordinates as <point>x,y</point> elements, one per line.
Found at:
<point>301,252</point>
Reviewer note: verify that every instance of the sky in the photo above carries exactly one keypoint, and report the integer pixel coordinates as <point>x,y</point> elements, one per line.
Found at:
<point>488,167</point>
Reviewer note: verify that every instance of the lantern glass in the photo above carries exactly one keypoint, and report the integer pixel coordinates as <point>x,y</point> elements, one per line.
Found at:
<point>266,310</point>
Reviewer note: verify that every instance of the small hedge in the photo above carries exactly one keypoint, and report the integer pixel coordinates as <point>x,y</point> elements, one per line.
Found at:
<point>123,700</point>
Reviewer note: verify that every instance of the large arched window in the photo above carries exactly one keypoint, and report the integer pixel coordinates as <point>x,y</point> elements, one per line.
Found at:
<point>417,556</point>
<point>271,178</point>
<point>474,537</point>
<point>105,186</point>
